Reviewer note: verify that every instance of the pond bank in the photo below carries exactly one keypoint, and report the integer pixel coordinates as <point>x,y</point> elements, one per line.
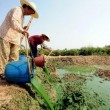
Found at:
<point>80,60</point>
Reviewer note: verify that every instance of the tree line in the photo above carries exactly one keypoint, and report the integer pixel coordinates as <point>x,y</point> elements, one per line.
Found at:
<point>84,51</point>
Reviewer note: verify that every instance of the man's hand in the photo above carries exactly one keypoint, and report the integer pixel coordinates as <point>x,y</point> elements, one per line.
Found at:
<point>47,49</point>
<point>25,33</point>
<point>26,28</point>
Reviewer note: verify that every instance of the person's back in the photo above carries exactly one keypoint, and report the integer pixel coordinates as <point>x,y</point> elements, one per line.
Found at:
<point>36,40</point>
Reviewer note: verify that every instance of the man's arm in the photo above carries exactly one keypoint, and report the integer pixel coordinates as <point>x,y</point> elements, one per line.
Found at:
<point>17,19</point>
<point>44,46</point>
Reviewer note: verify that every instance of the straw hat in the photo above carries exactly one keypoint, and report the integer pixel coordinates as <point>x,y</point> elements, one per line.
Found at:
<point>32,5</point>
<point>48,39</point>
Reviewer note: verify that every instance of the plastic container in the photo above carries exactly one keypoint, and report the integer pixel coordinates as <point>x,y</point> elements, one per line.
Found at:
<point>39,61</point>
<point>22,57</point>
<point>18,72</point>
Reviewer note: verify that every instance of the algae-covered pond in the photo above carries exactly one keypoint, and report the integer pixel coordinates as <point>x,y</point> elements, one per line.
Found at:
<point>94,91</point>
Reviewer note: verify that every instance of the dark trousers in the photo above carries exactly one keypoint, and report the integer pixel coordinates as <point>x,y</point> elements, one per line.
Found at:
<point>33,52</point>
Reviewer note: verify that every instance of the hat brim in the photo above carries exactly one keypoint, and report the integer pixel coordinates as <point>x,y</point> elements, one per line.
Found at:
<point>48,39</point>
<point>36,15</point>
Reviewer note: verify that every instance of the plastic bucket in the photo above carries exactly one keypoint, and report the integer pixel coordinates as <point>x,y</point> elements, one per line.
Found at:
<point>18,72</point>
<point>22,57</point>
<point>39,61</point>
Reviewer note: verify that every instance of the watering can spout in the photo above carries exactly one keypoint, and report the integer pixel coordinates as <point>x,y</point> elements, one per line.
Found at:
<point>40,61</point>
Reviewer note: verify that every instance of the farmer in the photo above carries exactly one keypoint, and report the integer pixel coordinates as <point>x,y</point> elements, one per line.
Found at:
<point>36,40</point>
<point>11,32</point>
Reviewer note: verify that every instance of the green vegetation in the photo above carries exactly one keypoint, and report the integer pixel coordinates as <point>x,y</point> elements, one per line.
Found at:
<point>42,92</point>
<point>81,69</point>
<point>85,51</point>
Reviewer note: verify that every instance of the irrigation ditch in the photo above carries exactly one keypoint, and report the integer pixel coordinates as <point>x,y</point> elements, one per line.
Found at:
<point>75,83</point>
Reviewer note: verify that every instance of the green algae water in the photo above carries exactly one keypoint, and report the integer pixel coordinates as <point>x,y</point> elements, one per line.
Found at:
<point>100,87</point>
<point>96,91</point>
<point>42,92</point>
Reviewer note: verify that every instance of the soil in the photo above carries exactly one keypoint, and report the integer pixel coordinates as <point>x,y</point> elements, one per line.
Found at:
<point>4,89</point>
<point>23,97</point>
<point>80,60</point>
<point>103,73</point>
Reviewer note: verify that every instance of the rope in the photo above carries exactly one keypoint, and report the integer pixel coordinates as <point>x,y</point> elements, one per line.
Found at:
<point>27,55</point>
<point>50,52</point>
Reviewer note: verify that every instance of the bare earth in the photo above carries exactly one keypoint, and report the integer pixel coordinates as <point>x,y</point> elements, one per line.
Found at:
<point>82,60</point>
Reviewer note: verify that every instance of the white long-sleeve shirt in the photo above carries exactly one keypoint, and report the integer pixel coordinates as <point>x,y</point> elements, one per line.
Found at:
<point>12,27</point>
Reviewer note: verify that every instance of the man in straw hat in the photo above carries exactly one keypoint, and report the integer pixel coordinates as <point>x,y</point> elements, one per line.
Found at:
<point>36,40</point>
<point>11,32</point>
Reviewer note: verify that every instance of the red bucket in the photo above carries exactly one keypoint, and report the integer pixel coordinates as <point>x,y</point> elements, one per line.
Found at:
<point>39,61</point>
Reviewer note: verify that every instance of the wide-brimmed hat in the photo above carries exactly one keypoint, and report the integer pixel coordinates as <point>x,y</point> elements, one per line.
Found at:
<point>32,5</point>
<point>47,38</point>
